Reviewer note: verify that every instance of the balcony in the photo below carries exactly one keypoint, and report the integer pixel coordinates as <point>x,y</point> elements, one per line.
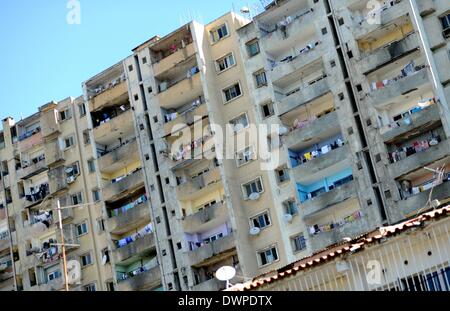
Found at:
<point>314,169</point>
<point>141,245</point>
<point>6,274</point>
<point>219,249</point>
<point>329,199</point>
<point>111,96</point>
<point>141,282</point>
<point>130,219</point>
<point>32,170</point>
<point>123,187</point>
<point>350,230</point>
<point>206,219</point>
<point>212,285</point>
<point>53,153</point>
<point>281,38</point>
<point>57,179</point>
<point>177,94</point>
<point>304,96</point>
<point>409,207</point>
<point>51,286</point>
<point>172,60</point>
<point>314,131</point>
<point>203,151</point>
<point>389,53</point>
<point>119,157</point>
<point>397,88</point>
<point>420,159</point>
<point>109,132</point>
<point>49,121</point>
<point>296,64</point>
<point>426,7</point>
<point>30,139</point>
<point>186,118</point>
<point>420,122</point>
<point>386,16</point>
<point>201,185</point>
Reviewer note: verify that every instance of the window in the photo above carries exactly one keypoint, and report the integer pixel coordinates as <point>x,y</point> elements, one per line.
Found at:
<point>86,137</point>
<point>282,175</point>
<point>260,78</point>
<point>261,221</point>
<point>299,243</point>
<point>54,275</point>
<point>73,170</point>
<point>445,20</point>
<point>232,92</point>
<point>255,186</point>
<point>225,62</point>
<point>219,33</point>
<point>90,288</point>
<point>76,198</point>
<point>290,207</point>
<point>267,109</point>
<point>253,47</point>
<point>239,123</point>
<point>110,286</point>
<point>268,256</point>
<point>86,259</point>
<point>91,166</point>
<point>213,238</point>
<point>82,229</point>
<point>82,110</point>
<point>69,142</point>
<point>65,114</point>
<point>100,225</point>
<point>96,195</point>
<point>245,156</point>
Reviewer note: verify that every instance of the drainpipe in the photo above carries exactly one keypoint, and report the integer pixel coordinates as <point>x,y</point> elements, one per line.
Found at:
<point>437,85</point>
<point>10,235</point>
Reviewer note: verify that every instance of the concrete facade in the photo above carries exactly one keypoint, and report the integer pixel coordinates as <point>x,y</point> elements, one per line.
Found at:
<point>361,107</point>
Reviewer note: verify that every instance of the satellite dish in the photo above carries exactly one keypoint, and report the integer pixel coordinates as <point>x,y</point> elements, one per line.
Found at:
<point>104,259</point>
<point>225,273</point>
<point>254,196</point>
<point>255,231</point>
<point>245,10</point>
<point>288,218</point>
<point>69,170</point>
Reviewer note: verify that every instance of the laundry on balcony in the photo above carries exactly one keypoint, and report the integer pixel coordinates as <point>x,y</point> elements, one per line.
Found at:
<point>191,72</point>
<point>184,151</point>
<point>316,229</point>
<point>102,88</point>
<point>44,218</point>
<point>317,152</point>
<point>148,229</point>
<point>405,118</point>
<point>29,134</point>
<point>125,208</point>
<point>416,147</point>
<point>116,180</point>
<point>310,46</point>
<point>407,190</point>
<point>122,276</point>
<point>38,193</point>
<point>409,70</point>
<point>49,251</point>
<point>33,161</point>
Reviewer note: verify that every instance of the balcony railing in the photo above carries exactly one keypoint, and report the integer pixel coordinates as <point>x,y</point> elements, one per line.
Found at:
<point>123,186</point>
<point>129,216</point>
<point>206,251</point>
<point>208,217</point>
<point>36,167</point>
<point>135,248</point>
<point>141,279</point>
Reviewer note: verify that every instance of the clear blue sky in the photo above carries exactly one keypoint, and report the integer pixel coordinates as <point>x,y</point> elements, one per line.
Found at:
<point>43,58</point>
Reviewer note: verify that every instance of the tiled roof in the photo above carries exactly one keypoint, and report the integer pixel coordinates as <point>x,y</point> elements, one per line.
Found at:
<point>345,247</point>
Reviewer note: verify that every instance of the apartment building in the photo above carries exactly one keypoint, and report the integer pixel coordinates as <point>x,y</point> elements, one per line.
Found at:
<point>43,162</point>
<point>360,98</point>
<point>119,172</point>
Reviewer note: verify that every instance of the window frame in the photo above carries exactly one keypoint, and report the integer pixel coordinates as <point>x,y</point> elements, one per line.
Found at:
<point>236,118</point>
<point>216,30</point>
<point>86,255</point>
<point>226,57</point>
<point>266,217</point>
<point>233,85</point>
<point>244,190</point>
<point>294,243</point>
<point>243,151</point>
<point>258,73</point>
<point>264,250</point>
<point>70,137</point>
<point>249,44</point>
<point>67,114</point>
<point>82,110</point>
<point>81,225</point>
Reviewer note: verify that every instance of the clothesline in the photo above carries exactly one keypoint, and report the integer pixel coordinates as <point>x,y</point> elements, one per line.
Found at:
<point>136,236</point>
<point>417,147</point>
<point>125,208</point>
<point>405,117</point>
<point>310,46</point>
<point>309,156</point>
<point>316,229</point>
<point>409,70</point>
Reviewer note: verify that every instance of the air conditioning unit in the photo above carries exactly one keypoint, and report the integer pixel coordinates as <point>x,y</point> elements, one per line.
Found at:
<point>255,231</point>
<point>71,179</point>
<point>288,218</point>
<point>254,196</point>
